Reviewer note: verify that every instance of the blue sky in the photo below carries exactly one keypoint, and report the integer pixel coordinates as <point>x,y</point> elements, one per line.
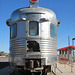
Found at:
<point>64,10</point>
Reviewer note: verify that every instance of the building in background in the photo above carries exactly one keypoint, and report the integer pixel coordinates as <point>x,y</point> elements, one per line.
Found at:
<point>66,53</point>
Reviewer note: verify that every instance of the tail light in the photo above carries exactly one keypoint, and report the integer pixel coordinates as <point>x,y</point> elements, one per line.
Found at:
<point>33,1</point>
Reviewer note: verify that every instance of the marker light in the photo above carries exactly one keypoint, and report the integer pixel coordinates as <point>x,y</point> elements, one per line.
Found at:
<point>34,1</point>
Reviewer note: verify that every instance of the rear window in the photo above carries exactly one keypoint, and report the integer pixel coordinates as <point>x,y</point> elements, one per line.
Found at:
<point>33,28</point>
<point>13,32</point>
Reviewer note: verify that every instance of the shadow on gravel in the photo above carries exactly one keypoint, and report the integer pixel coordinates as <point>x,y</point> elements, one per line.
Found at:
<point>4,64</point>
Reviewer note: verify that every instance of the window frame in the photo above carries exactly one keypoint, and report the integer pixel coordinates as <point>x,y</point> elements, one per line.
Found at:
<point>16,31</point>
<point>37,28</point>
<point>55,31</point>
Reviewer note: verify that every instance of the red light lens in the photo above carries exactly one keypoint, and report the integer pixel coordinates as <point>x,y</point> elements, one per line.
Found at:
<point>33,0</point>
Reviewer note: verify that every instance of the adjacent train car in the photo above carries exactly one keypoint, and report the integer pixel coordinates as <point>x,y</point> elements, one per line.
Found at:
<point>33,38</point>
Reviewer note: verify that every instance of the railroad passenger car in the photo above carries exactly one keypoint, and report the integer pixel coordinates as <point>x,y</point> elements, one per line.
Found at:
<point>33,39</point>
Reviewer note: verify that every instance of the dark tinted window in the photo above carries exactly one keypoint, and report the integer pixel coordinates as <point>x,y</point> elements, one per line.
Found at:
<point>13,31</point>
<point>33,28</point>
<point>53,31</point>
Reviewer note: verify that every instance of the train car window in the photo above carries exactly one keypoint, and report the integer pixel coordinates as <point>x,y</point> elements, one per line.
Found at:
<point>33,28</point>
<point>53,31</point>
<point>13,33</point>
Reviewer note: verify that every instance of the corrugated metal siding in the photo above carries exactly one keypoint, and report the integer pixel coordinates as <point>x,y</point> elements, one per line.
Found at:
<point>48,46</point>
<point>49,50</point>
<point>18,47</point>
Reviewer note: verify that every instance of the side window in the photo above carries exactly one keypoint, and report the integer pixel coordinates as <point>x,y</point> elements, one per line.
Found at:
<point>33,28</point>
<point>53,31</point>
<point>13,32</point>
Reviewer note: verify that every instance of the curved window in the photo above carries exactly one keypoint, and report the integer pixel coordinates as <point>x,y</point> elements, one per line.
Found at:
<point>33,28</point>
<point>53,31</point>
<point>13,32</point>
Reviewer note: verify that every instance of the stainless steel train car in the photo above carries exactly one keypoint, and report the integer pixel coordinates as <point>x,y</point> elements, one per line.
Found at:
<point>33,38</point>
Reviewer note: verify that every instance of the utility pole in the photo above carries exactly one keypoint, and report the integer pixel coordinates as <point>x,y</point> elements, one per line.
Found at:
<point>68,40</point>
<point>73,45</point>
